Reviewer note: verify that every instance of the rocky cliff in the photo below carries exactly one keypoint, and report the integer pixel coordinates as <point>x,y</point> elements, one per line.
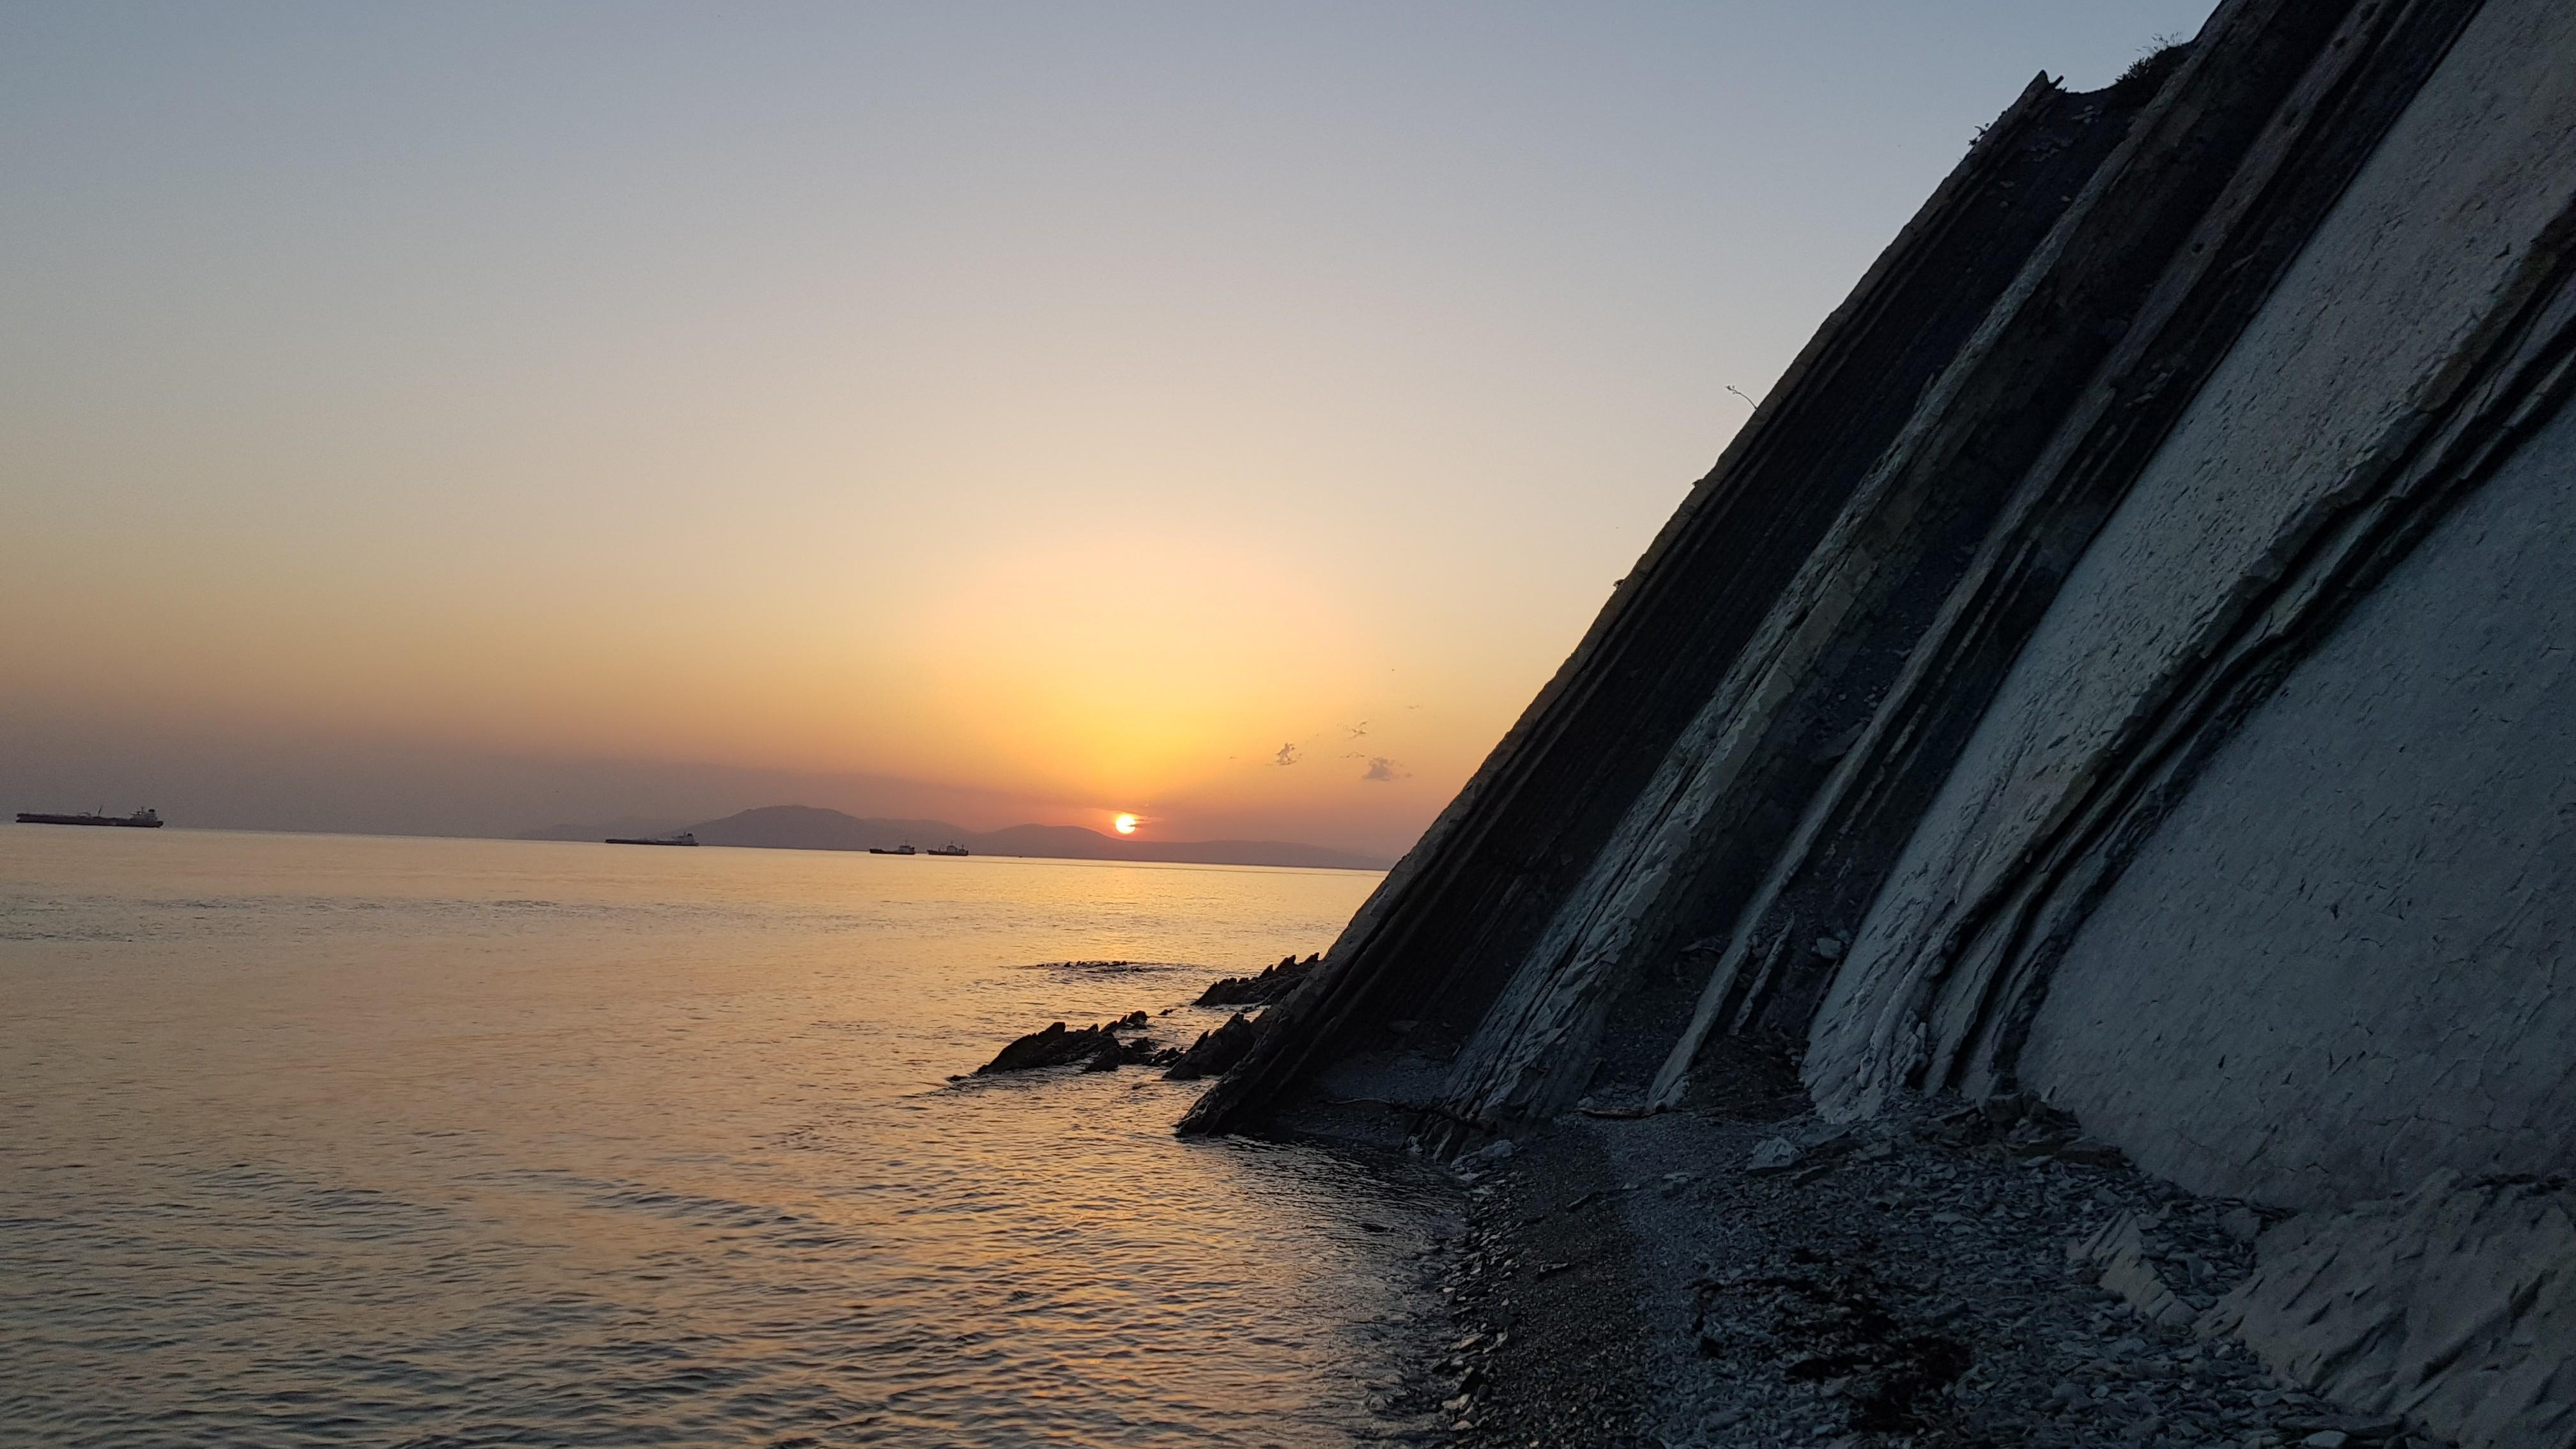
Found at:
<point>2129,659</point>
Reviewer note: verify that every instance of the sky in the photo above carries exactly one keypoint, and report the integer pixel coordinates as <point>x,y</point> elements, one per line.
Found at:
<point>468,417</point>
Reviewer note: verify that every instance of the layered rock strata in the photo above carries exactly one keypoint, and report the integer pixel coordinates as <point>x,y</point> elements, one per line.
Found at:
<point>2129,658</point>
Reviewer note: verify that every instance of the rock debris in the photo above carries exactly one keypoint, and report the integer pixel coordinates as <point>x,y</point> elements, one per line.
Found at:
<point>1982,1276</point>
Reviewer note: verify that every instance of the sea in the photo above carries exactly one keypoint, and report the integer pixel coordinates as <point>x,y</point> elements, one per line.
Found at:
<point>346,1140</point>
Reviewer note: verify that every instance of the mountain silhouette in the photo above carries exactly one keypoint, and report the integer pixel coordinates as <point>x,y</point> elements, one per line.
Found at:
<point>808,827</point>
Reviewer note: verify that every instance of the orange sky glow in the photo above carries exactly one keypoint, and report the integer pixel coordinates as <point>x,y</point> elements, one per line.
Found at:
<point>464,421</point>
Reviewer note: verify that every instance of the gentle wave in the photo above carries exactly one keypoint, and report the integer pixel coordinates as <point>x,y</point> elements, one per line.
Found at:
<point>449,1144</point>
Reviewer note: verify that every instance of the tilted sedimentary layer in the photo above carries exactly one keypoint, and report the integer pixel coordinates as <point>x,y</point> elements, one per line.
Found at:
<point>2130,657</point>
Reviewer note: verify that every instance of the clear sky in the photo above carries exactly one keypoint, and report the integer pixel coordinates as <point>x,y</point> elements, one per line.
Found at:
<point>468,416</point>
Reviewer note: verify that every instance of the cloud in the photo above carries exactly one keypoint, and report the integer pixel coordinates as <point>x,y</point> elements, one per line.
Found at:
<point>1287,755</point>
<point>1380,768</point>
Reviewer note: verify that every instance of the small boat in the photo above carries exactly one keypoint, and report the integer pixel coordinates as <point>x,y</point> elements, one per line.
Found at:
<point>685,837</point>
<point>139,820</point>
<point>903,849</point>
<point>951,848</point>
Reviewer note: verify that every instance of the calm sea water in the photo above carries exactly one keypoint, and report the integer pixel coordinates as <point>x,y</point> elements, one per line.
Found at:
<point>341,1140</point>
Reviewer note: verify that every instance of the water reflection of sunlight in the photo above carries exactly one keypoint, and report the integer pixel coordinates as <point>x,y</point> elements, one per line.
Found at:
<point>660,1149</point>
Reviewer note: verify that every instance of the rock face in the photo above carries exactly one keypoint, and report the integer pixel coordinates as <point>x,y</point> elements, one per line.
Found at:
<point>2124,667</point>
<point>2258,807</point>
<point>2427,1306</point>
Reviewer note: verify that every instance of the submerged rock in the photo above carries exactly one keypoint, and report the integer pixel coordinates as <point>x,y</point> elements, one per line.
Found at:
<point>1053,1047</point>
<point>1135,1052</point>
<point>1270,986</point>
<point>1096,1048</point>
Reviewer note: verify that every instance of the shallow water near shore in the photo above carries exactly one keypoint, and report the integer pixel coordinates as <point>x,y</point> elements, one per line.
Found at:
<point>343,1140</point>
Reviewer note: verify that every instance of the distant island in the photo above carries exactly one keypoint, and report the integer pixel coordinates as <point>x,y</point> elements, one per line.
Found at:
<point>807,827</point>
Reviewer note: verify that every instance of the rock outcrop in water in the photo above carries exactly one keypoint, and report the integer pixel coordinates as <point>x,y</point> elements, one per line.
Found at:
<point>1272,985</point>
<point>1218,1052</point>
<point>2126,661</point>
<point>1094,1048</point>
<point>1100,1049</point>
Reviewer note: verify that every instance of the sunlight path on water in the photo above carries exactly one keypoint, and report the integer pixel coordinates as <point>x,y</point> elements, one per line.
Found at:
<point>333,1140</point>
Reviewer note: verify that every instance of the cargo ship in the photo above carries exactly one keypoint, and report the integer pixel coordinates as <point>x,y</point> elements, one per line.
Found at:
<point>951,848</point>
<point>139,820</point>
<point>685,837</point>
<point>903,849</point>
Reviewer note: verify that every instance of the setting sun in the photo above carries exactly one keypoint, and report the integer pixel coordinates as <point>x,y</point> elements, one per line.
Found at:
<point>1126,824</point>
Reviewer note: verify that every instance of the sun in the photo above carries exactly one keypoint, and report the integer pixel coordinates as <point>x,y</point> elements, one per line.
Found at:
<point>1126,824</point>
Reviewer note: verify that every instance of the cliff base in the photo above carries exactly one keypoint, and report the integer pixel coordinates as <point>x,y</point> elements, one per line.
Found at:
<point>1933,1278</point>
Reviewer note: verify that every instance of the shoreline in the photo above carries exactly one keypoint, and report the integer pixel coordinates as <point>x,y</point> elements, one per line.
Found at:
<point>1739,1272</point>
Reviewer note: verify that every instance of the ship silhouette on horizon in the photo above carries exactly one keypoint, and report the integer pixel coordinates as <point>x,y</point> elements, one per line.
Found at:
<point>139,820</point>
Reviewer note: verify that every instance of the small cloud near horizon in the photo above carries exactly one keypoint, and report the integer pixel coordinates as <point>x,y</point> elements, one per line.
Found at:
<point>1381,769</point>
